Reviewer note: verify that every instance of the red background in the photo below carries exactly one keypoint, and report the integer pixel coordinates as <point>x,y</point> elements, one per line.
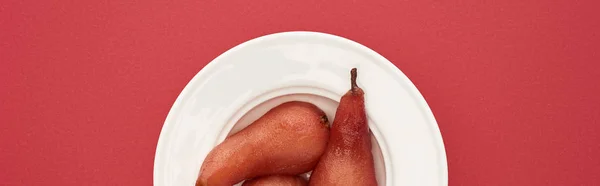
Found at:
<point>85,86</point>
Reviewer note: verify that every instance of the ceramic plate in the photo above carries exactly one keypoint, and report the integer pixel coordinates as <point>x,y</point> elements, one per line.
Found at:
<point>243,83</point>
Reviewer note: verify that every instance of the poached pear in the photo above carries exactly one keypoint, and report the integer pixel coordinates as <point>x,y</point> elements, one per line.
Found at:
<point>276,180</point>
<point>347,161</point>
<point>289,140</point>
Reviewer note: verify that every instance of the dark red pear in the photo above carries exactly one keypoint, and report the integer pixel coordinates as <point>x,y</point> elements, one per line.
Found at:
<point>347,161</point>
<point>276,180</point>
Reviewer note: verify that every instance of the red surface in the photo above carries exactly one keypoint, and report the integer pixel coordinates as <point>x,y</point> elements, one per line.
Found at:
<point>86,85</point>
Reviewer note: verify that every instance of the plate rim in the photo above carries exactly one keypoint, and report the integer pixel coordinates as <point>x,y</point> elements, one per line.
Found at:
<point>420,100</point>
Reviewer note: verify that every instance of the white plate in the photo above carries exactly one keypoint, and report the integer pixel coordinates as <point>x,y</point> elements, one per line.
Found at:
<point>247,80</point>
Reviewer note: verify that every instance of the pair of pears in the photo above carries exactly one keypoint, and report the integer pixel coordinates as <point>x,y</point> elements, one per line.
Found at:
<point>294,138</point>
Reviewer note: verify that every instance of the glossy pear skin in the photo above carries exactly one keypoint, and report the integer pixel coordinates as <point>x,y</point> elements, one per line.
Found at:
<point>347,161</point>
<point>276,180</point>
<point>288,139</point>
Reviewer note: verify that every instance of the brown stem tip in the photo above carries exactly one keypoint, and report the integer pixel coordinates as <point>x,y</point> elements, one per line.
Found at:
<point>324,120</point>
<point>353,75</point>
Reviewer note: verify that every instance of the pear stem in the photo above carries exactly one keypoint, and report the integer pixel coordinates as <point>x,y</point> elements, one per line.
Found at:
<point>353,75</point>
<point>325,121</point>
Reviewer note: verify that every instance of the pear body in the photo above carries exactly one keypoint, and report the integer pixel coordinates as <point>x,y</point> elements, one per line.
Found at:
<point>288,140</point>
<point>348,160</point>
<point>276,180</point>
